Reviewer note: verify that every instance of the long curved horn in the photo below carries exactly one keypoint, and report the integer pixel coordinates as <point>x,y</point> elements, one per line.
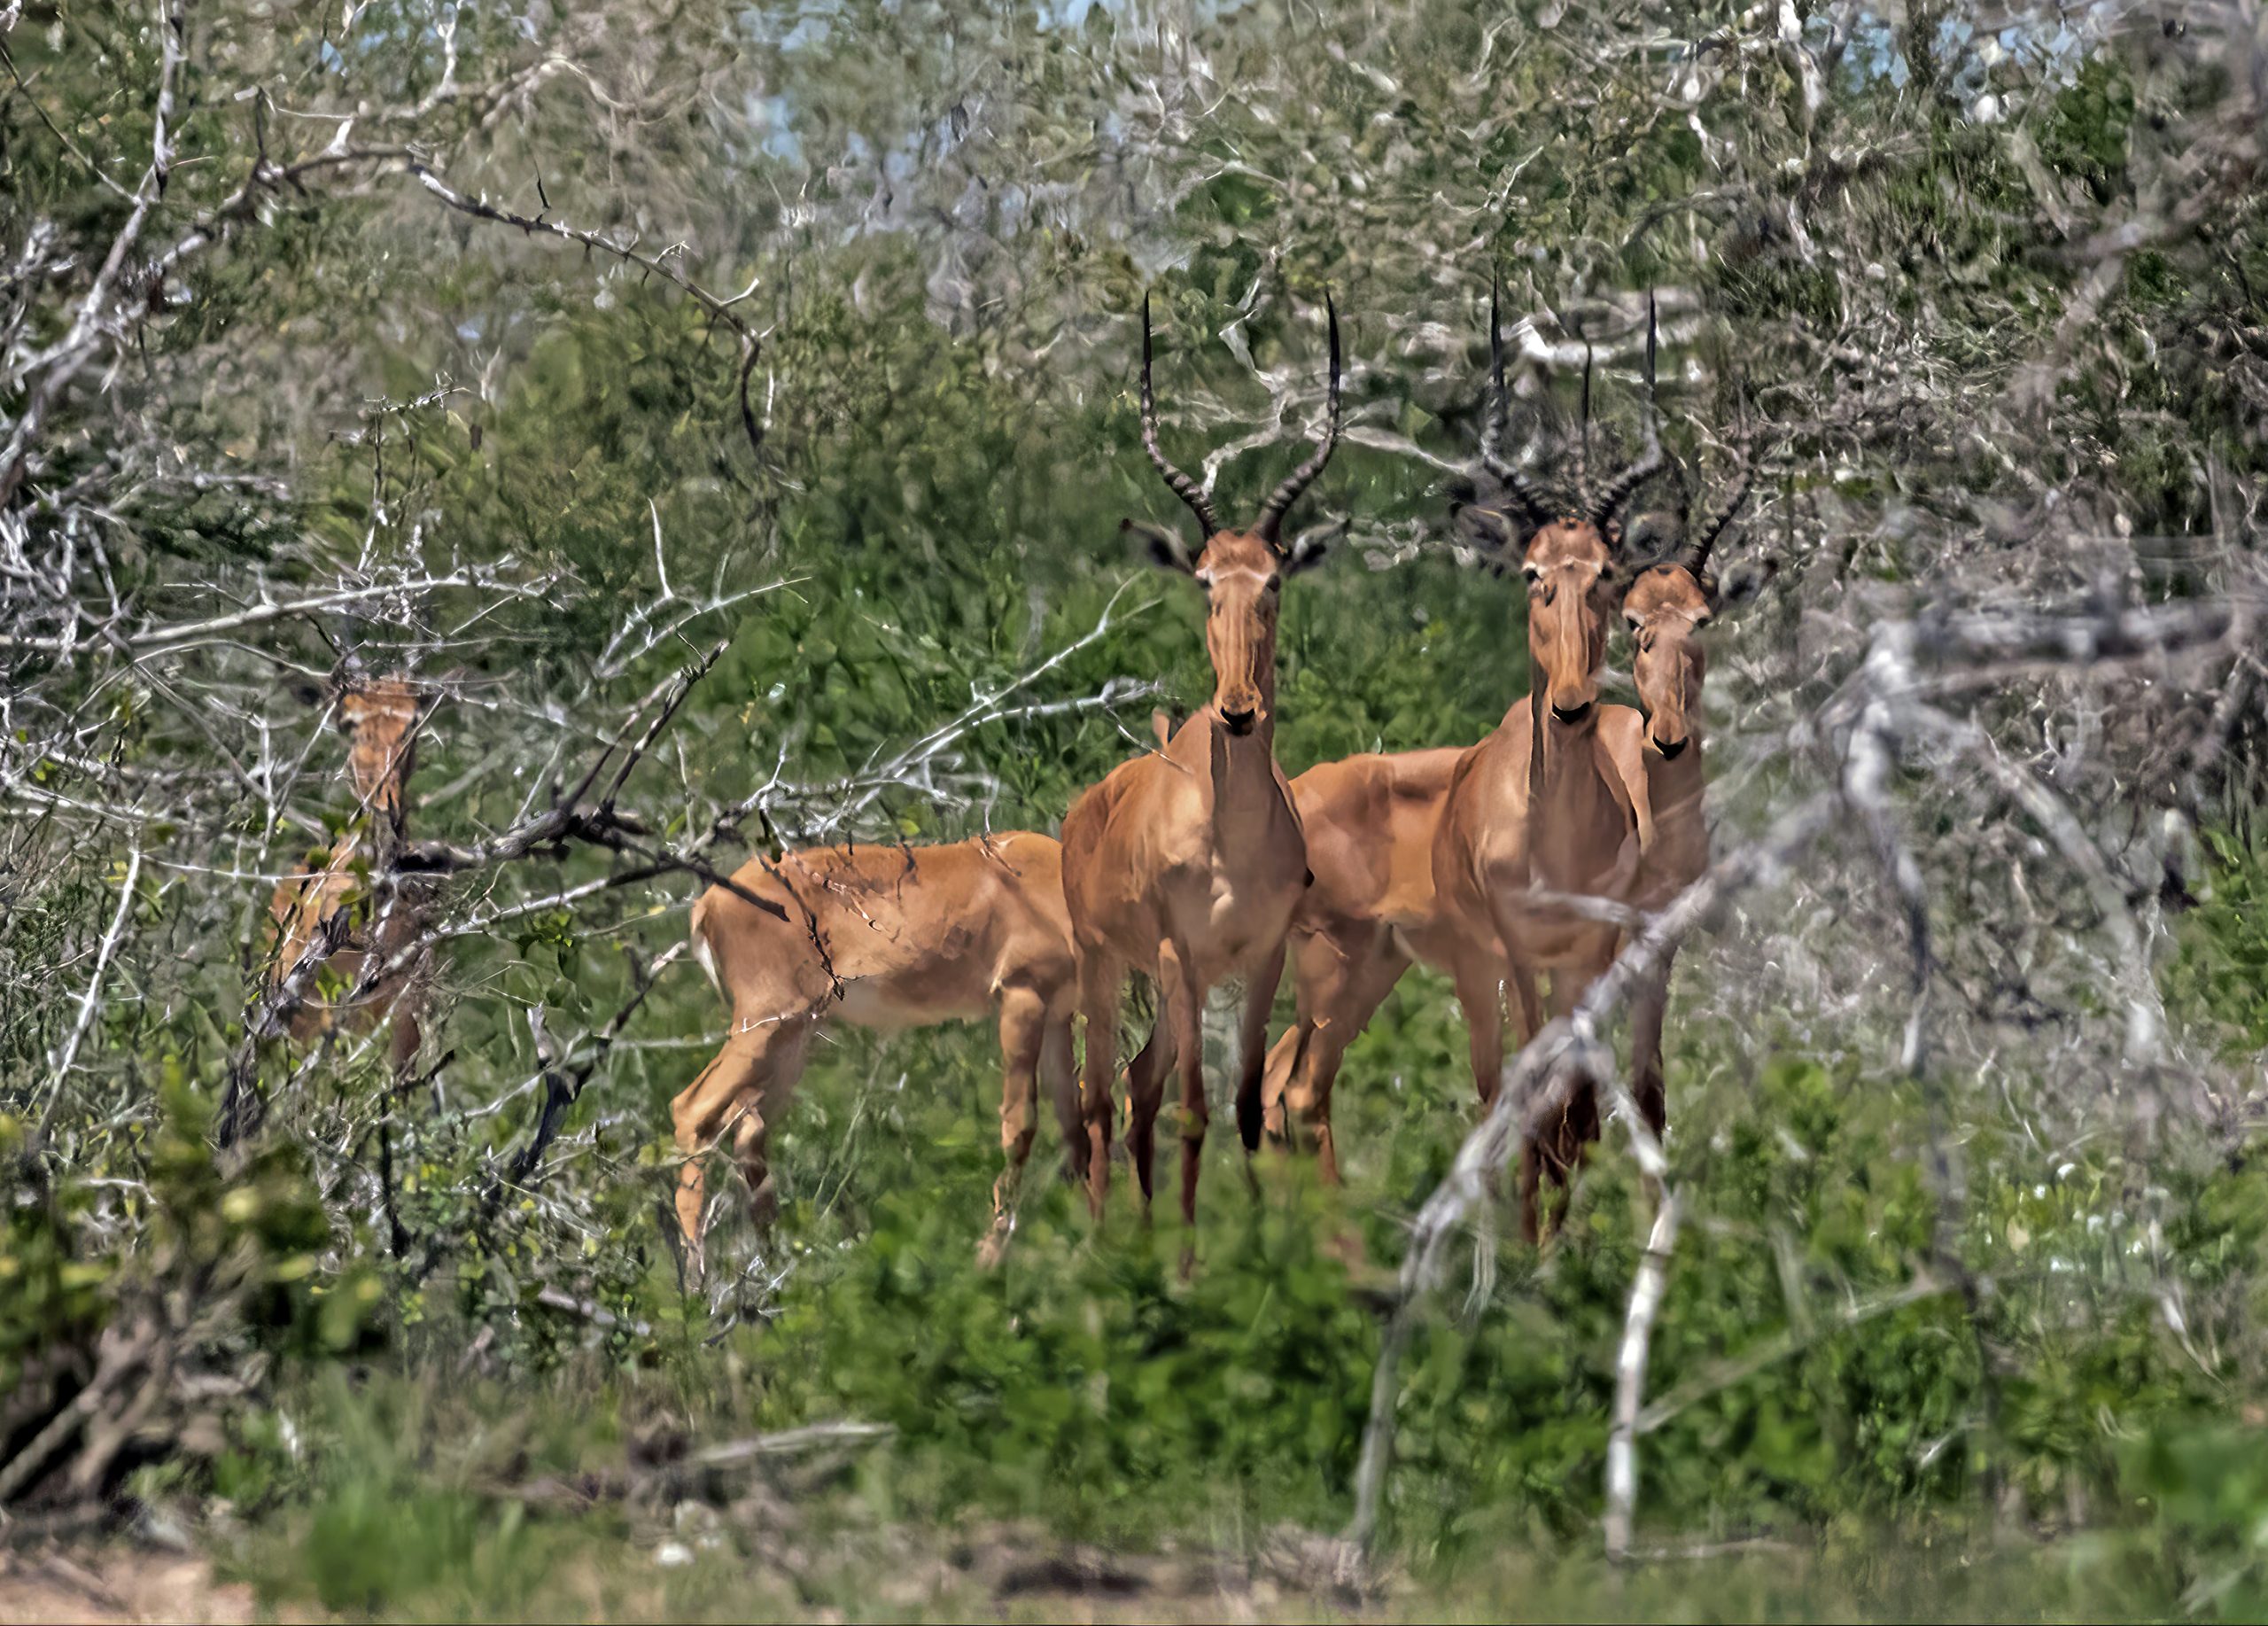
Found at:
<point>1492,429</point>
<point>1188,490</point>
<point>1271,516</point>
<point>1696,551</point>
<point>1624,486</point>
<point>1584,440</point>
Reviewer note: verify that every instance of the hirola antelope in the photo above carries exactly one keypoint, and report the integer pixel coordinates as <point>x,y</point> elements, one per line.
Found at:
<point>326,912</point>
<point>1185,864</point>
<point>879,937</point>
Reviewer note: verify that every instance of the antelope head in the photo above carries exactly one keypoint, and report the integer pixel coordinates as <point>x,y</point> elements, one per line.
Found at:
<point>1571,557</point>
<point>1668,603</point>
<point>1242,571</point>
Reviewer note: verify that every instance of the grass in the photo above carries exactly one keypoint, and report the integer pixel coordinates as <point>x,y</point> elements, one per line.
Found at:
<point>428,1501</point>
<point>1086,1433</point>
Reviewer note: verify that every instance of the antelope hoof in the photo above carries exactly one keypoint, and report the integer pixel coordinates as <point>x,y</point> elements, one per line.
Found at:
<point>994,1248</point>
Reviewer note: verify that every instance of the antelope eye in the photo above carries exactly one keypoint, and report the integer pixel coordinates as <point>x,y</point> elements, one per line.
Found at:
<point>1535,573</point>
<point>1635,623</point>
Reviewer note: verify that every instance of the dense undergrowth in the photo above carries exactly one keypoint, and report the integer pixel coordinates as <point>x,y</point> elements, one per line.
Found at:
<point>1824,1388</point>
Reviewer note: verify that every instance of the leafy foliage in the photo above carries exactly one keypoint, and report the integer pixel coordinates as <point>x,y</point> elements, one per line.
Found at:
<point>1987,305</point>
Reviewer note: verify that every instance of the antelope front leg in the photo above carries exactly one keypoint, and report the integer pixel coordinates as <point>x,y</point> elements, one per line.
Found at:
<point>1575,1124</point>
<point>1177,972</point>
<point>1481,993</point>
<point>1343,983</point>
<point>1276,1080</point>
<point>1647,1007</point>
<point>699,1115</point>
<point>1252,1047</point>
<point>1146,1091</point>
<point>1059,1070</point>
<point>1098,983</point>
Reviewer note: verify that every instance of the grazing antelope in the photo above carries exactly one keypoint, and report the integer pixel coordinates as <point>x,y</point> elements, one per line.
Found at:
<point>1185,864</point>
<point>379,718</point>
<point>1538,814</point>
<point>1667,604</point>
<point>880,937</point>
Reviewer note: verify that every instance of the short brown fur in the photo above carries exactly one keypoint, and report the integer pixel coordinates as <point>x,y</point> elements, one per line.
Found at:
<point>1185,864</point>
<point>379,718</point>
<point>1529,812</point>
<point>881,937</point>
<point>1666,607</point>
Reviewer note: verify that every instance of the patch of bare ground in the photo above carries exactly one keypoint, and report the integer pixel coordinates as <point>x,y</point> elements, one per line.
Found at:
<point>1020,1573</point>
<point>830,1570</point>
<point>997,1571</point>
<point>101,1585</point>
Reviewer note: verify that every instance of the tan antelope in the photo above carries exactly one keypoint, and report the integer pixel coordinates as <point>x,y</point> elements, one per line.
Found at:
<point>880,937</point>
<point>1537,817</point>
<point>379,717</point>
<point>1185,864</point>
<point>1667,604</point>
<point>1370,823</point>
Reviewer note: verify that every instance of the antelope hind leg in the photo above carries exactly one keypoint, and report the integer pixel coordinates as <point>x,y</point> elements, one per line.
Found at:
<point>1023,1032</point>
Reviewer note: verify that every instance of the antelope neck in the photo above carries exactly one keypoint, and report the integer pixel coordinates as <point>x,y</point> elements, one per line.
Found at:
<point>1563,777</point>
<point>1681,775</point>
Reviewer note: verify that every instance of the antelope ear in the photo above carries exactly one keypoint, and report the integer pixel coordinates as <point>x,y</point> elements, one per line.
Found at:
<point>1649,537</point>
<point>1168,550</point>
<point>1484,528</point>
<point>1305,553</point>
<point>1741,584</point>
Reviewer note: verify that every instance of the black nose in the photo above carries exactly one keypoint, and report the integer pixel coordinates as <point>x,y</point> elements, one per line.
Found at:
<point>1239,722</point>
<point>1571,714</point>
<point>1671,750</point>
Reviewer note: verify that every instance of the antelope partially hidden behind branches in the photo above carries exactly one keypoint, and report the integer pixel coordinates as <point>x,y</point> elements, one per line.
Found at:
<point>1538,818</point>
<point>1185,865</point>
<point>322,919</point>
<point>1666,605</point>
<point>1372,821</point>
<point>880,937</point>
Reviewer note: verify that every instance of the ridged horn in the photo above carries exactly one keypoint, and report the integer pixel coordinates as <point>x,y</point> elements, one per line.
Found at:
<point>1649,463</point>
<point>1696,551</point>
<point>1188,490</point>
<point>1530,502</point>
